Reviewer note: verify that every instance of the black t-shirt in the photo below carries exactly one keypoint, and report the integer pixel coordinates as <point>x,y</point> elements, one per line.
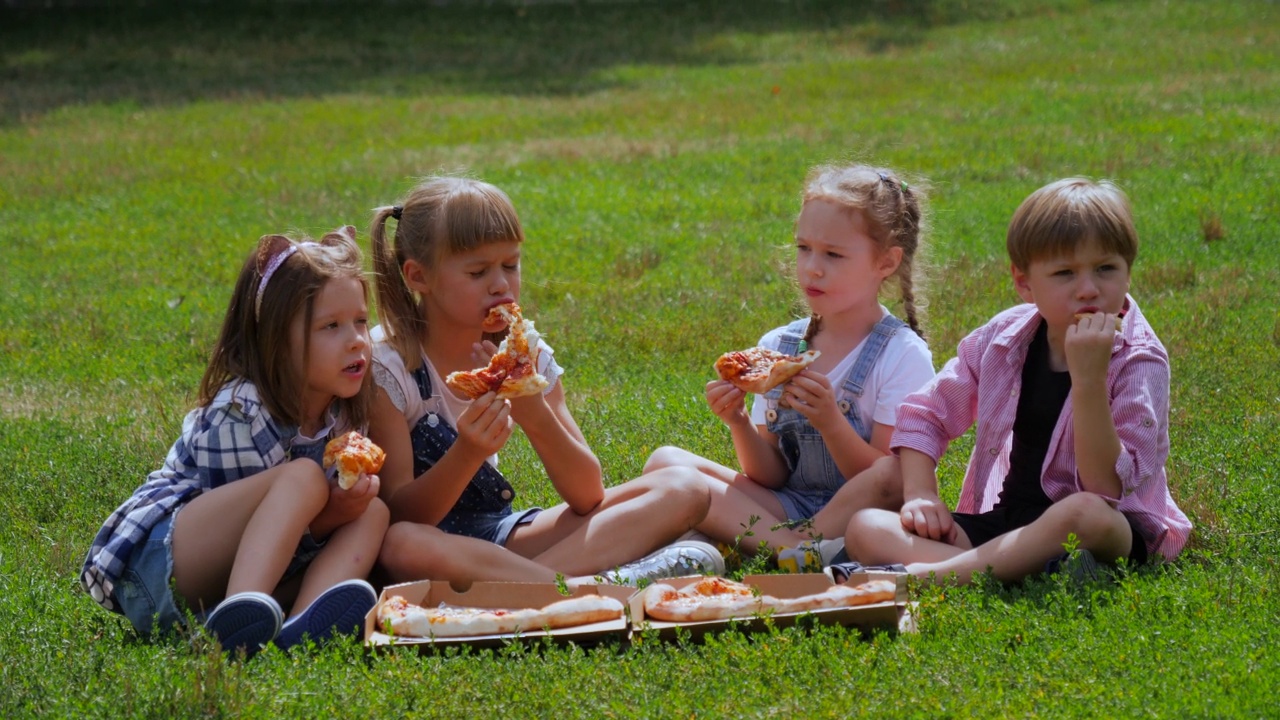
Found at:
<point>1040,402</point>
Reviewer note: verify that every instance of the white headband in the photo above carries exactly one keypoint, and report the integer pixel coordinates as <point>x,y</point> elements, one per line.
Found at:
<point>272,266</point>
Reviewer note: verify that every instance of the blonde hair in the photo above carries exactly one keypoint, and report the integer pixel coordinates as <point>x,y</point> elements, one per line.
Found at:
<point>441,216</point>
<point>254,341</point>
<point>895,215</point>
<point>1061,216</point>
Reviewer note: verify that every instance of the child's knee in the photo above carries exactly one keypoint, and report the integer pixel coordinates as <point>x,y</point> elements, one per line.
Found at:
<point>687,489</point>
<point>378,516</point>
<point>867,528</point>
<point>305,479</point>
<point>1087,515</point>
<point>399,546</point>
<point>667,456</point>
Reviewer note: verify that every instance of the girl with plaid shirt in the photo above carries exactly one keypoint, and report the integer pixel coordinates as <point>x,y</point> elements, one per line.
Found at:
<point>242,518</point>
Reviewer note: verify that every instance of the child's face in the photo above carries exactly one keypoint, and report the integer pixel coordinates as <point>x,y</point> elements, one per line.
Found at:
<point>462,287</point>
<point>837,263</point>
<point>1089,279</point>
<point>338,339</point>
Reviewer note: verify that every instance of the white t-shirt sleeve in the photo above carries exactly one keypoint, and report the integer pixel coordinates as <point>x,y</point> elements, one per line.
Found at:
<point>905,367</point>
<point>759,405</point>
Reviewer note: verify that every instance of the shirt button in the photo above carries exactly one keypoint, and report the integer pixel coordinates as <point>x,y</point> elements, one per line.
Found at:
<point>506,494</point>
<point>1013,393</point>
<point>994,451</point>
<point>1146,422</point>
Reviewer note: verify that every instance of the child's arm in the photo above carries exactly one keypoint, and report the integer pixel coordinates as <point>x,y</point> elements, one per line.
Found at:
<point>810,394</point>
<point>344,506</point>
<point>756,447</point>
<point>482,430</point>
<point>923,512</point>
<point>1097,444</point>
<point>572,467</point>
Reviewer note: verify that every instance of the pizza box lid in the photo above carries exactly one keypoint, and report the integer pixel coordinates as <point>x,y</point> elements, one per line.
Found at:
<point>490,594</point>
<point>892,615</point>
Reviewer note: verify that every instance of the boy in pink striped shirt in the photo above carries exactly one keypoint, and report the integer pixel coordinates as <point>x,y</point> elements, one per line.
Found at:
<point>1070,395</point>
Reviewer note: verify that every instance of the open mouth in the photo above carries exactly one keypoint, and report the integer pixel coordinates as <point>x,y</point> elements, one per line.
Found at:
<point>355,368</point>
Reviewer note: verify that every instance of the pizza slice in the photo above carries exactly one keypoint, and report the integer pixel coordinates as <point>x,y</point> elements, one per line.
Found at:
<point>759,370</point>
<point>513,370</point>
<point>403,618</point>
<point>353,454</point>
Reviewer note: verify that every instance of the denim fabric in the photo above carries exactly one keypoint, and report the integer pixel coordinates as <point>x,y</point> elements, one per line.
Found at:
<point>143,593</point>
<point>815,477</point>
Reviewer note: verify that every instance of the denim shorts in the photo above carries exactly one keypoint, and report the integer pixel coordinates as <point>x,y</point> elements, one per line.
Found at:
<point>798,505</point>
<point>143,592</point>
<point>495,527</point>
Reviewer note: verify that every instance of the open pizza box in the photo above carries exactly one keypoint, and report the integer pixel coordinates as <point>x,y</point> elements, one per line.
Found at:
<point>892,615</point>
<point>488,594</point>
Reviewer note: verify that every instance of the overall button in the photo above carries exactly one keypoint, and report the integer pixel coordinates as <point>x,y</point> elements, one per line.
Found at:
<point>844,406</point>
<point>506,494</point>
<point>433,419</point>
<point>771,415</point>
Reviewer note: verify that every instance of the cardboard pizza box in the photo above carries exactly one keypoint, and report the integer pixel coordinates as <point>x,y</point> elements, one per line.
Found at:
<point>508,595</point>
<point>892,615</point>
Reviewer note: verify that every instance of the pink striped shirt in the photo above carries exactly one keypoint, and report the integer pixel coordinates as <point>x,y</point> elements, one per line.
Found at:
<point>981,384</point>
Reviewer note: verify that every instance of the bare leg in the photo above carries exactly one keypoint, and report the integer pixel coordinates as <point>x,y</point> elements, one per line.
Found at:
<point>879,486</point>
<point>413,551</point>
<point>1100,528</point>
<point>634,519</point>
<point>350,554</point>
<point>241,536</point>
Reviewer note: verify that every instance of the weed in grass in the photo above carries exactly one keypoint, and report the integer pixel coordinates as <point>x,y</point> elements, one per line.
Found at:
<point>1211,229</point>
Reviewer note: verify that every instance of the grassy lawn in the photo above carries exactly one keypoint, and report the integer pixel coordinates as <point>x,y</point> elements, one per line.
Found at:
<point>655,151</point>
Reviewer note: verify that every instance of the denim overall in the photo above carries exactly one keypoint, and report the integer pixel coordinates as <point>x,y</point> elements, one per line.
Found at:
<point>815,478</point>
<point>486,501</point>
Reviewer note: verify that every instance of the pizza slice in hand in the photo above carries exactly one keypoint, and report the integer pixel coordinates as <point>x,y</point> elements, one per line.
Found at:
<point>353,454</point>
<point>759,370</point>
<point>513,370</point>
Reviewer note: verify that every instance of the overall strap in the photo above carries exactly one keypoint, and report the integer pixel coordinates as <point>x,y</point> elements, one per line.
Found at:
<point>872,349</point>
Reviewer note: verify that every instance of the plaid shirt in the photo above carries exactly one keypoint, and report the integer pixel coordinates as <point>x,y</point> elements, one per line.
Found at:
<point>231,438</point>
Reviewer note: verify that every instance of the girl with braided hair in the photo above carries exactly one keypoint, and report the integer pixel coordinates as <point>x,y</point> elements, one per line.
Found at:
<point>797,445</point>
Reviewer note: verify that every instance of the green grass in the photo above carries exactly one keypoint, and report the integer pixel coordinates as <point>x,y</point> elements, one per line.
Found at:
<point>655,152</point>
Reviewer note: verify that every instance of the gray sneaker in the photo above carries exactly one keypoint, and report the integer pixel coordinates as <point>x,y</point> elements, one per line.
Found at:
<point>684,557</point>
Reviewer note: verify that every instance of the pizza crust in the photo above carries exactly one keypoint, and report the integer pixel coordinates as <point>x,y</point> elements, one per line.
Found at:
<point>353,454</point>
<point>759,370</point>
<point>512,372</point>
<point>1119,319</point>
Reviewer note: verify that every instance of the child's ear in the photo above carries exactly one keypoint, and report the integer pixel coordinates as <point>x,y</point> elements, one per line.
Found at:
<point>416,276</point>
<point>1021,285</point>
<point>889,262</point>
<point>268,247</point>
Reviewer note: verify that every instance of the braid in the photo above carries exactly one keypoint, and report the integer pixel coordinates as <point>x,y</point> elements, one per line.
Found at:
<point>815,323</point>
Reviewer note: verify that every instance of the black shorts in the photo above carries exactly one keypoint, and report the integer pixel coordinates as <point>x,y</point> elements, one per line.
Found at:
<point>985,527</point>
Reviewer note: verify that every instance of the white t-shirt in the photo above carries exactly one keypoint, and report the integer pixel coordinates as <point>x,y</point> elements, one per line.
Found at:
<point>390,373</point>
<point>904,367</point>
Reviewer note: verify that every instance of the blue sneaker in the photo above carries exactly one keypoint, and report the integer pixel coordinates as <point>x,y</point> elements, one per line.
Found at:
<point>1081,568</point>
<point>340,610</point>
<point>247,621</point>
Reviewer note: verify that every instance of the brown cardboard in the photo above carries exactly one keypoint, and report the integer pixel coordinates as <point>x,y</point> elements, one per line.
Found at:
<point>893,615</point>
<point>510,595</point>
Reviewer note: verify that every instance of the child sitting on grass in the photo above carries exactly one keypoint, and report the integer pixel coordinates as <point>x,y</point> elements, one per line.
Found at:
<point>1070,395</point>
<point>242,517</point>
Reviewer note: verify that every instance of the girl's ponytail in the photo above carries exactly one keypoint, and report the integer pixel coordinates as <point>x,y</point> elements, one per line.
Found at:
<point>402,320</point>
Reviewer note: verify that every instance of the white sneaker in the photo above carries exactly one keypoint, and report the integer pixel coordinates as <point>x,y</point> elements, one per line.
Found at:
<point>684,557</point>
<point>810,556</point>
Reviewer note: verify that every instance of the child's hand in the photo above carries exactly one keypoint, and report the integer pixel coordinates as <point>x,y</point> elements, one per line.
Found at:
<point>727,402</point>
<point>928,517</point>
<point>811,395</point>
<point>486,425</point>
<point>529,409</point>
<point>345,506</point>
<point>1088,347</point>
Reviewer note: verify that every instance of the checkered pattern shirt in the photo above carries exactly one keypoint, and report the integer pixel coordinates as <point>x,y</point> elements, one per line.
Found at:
<point>231,438</point>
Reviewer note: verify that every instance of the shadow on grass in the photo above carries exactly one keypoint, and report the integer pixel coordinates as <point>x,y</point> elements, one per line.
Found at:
<point>168,54</point>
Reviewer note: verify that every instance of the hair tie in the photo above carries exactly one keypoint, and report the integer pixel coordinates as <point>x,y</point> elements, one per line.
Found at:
<point>272,266</point>
<point>396,212</point>
<point>905,186</point>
